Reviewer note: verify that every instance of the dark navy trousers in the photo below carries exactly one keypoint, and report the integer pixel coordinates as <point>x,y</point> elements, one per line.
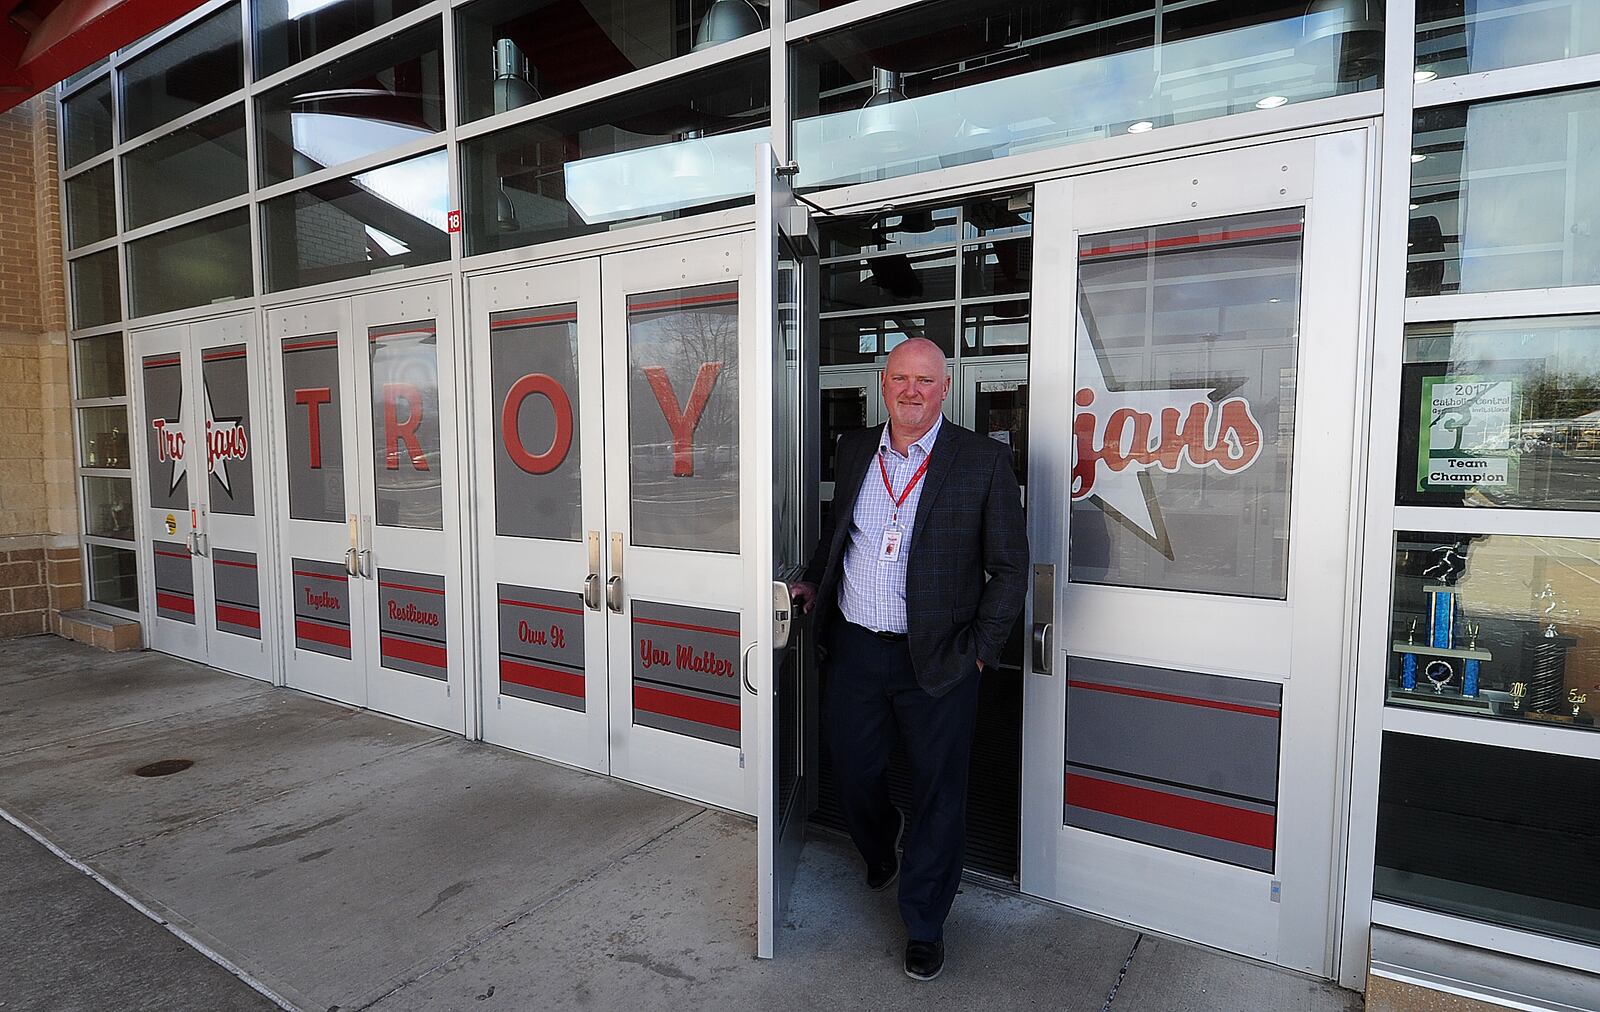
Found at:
<point>873,698</point>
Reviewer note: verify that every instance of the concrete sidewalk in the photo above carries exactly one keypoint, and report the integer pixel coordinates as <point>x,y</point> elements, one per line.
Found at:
<point>347,861</point>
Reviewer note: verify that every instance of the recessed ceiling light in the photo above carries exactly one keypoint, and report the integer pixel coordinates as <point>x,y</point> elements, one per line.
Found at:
<point>1274,300</point>
<point>1141,127</point>
<point>1272,102</point>
<point>1424,76</point>
<point>1417,156</point>
<point>1411,207</point>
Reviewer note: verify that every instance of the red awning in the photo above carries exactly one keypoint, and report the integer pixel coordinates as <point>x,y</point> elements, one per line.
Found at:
<point>45,41</point>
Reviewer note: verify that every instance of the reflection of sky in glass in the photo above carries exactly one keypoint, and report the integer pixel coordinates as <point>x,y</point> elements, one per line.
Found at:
<point>329,139</point>
<point>419,186</point>
<point>300,8</point>
<point>1198,79</point>
<point>666,177</point>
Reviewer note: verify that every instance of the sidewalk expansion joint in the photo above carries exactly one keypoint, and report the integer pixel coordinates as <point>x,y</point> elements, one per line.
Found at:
<point>554,897</point>
<point>1111,995</point>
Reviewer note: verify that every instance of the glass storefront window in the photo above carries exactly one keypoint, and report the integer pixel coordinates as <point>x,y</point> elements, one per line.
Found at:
<point>1497,625</point>
<point>113,577</point>
<point>388,217</point>
<point>382,96</point>
<point>662,152</point>
<point>288,31</point>
<point>108,507</point>
<point>103,436</point>
<point>1503,195</point>
<point>867,338</point>
<point>512,52</point>
<point>205,262</point>
<point>890,279</point>
<point>1187,347</point>
<point>902,232</point>
<point>96,297</point>
<point>995,328</point>
<point>1502,413</point>
<point>86,122</point>
<point>1498,835</point>
<point>191,168</point>
<point>1457,37</point>
<point>955,82</point>
<point>101,372</point>
<point>197,66</point>
<point>91,206</point>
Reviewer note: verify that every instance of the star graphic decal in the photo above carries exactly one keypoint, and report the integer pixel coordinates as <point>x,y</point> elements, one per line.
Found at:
<point>220,432</point>
<point>1123,434</point>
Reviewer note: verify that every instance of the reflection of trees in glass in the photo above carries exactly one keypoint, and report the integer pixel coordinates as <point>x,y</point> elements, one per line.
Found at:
<point>1563,396</point>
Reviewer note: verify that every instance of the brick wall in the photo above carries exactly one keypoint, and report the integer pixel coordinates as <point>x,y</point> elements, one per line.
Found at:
<point>39,571</point>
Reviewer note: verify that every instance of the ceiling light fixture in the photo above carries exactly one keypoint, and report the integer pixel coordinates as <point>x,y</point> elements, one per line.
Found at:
<point>1272,102</point>
<point>725,21</point>
<point>1424,76</point>
<point>1417,156</point>
<point>1143,126</point>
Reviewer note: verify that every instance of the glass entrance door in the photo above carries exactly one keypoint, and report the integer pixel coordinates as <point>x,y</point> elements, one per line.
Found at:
<point>1191,522</point>
<point>616,612</point>
<point>198,385</point>
<point>370,500</point>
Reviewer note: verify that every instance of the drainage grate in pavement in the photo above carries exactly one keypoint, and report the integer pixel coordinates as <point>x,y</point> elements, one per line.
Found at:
<point>163,767</point>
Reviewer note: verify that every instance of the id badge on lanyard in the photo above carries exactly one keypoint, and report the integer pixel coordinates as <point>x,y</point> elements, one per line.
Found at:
<point>890,547</point>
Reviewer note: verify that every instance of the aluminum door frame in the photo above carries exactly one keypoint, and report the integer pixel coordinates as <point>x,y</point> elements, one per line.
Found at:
<point>232,532</point>
<point>323,541</point>
<point>169,347</point>
<point>435,702</point>
<point>577,738</point>
<point>1220,905</point>
<point>709,772</point>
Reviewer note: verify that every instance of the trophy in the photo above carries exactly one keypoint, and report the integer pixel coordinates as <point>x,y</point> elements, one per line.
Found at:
<point>1451,669</point>
<point>1544,660</point>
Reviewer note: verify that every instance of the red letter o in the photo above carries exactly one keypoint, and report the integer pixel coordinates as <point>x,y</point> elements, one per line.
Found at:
<point>541,463</point>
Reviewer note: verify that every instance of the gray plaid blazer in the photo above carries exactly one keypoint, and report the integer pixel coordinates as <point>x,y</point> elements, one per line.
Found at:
<point>968,524</point>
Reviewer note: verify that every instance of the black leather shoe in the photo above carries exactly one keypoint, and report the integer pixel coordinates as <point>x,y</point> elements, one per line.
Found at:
<point>924,960</point>
<point>882,876</point>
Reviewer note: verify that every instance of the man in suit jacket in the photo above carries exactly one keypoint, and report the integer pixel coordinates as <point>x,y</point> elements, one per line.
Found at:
<point>918,578</point>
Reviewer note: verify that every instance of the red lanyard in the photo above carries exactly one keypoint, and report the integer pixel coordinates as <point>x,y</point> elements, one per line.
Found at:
<point>916,476</point>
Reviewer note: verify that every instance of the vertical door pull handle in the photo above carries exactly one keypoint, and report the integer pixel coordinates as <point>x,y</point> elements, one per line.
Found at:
<point>744,669</point>
<point>591,591</point>
<point>614,594</point>
<point>1042,647</point>
<point>351,566</point>
<point>365,556</point>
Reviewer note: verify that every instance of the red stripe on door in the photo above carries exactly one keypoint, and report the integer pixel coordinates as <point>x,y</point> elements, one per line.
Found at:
<point>408,587</point>
<point>173,555</point>
<point>536,677</point>
<point>220,356</point>
<point>418,653</point>
<point>157,363</point>
<point>238,616</point>
<point>1190,815</point>
<point>528,321</point>
<point>702,711</point>
<point>684,302</point>
<point>1171,242</point>
<point>310,345</point>
<point>685,625</point>
<point>321,633</point>
<point>1166,697</point>
<point>241,565</point>
<point>175,602</point>
<point>540,607</point>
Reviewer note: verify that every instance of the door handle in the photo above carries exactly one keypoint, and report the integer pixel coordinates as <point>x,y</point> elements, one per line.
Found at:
<point>365,558</point>
<point>351,566</point>
<point>1044,614</point>
<point>614,583</point>
<point>202,545</point>
<point>782,615</point>
<point>744,669</point>
<point>591,583</point>
<point>1043,642</point>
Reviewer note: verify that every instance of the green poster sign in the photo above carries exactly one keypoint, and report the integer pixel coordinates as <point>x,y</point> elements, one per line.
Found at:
<point>1471,433</point>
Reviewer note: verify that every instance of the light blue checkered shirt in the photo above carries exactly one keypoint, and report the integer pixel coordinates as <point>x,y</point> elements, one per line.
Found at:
<point>873,592</point>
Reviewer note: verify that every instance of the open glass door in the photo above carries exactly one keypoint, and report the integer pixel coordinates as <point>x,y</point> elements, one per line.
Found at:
<point>778,668</point>
<point>1191,513</point>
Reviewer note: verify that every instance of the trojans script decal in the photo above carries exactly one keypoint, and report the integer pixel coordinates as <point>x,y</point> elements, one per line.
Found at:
<point>1120,435</point>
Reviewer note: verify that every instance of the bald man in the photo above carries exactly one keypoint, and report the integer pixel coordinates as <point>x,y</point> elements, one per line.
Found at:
<point>916,582</point>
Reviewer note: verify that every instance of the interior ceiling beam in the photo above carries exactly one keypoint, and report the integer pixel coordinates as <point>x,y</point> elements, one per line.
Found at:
<point>43,42</point>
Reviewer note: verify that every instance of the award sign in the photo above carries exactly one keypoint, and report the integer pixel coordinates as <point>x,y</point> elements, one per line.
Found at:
<point>1471,437</point>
